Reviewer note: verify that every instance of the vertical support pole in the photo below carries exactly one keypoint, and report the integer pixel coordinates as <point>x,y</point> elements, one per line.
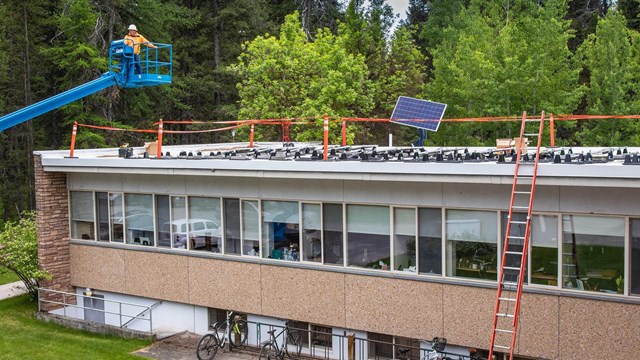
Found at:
<point>552,131</point>
<point>326,137</point>
<point>120,312</point>
<point>159,147</point>
<point>150,320</point>
<point>73,138</point>
<point>344,133</point>
<point>351,347</point>
<point>251,135</point>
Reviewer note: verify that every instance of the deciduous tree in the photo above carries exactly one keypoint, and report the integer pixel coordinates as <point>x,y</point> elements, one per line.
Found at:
<point>19,251</point>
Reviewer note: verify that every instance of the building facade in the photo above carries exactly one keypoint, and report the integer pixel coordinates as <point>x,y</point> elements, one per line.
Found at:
<point>396,250</point>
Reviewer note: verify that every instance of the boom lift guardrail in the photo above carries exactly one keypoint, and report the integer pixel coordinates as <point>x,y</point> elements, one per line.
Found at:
<point>121,73</point>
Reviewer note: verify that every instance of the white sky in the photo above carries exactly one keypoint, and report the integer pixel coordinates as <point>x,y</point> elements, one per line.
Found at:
<point>399,7</point>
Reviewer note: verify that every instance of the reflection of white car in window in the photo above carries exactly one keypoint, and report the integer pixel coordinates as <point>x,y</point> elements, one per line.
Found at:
<point>200,232</point>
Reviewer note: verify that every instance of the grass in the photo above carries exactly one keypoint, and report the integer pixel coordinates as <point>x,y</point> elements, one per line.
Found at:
<point>7,276</point>
<point>24,337</point>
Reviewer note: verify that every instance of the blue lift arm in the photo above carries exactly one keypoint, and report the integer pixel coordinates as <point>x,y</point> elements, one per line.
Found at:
<point>121,72</point>
<point>57,101</point>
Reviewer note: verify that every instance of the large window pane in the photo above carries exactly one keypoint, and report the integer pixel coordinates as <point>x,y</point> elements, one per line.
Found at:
<point>635,256</point>
<point>116,217</point>
<point>404,239</point>
<point>179,222</point>
<point>102,209</point>
<point>250,228</point>
<point>472,244</point>
<point>333,241</point>
<point>205,229</point>
<point>280,230</point>
<point>544,247</point>
<point>232,226</point>
<point>430,241</point>
<point>311,232</point>
<point>82,221</point>
<point>592,252</point>
<point>163,220</point>
<point>368,236</point>
<point>139,219</point>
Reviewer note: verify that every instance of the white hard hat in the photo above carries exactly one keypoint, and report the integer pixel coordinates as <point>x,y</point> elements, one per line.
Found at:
<point>133,27</point>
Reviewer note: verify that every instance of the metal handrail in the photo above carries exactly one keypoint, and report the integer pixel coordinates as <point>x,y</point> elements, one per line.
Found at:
<point>66,304</point>
<point>338,349</point>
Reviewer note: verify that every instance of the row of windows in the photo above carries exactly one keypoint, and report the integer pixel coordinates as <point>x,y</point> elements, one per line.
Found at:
<point>567,251</point>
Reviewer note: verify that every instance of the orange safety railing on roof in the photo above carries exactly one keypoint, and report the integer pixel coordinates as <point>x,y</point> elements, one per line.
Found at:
<point>234,124</point>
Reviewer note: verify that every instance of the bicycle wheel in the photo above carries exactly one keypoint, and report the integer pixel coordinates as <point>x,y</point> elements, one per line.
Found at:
<point>293,347</point>
<point>268,351</point>
<point>239,331</point>
<point>207,347</point>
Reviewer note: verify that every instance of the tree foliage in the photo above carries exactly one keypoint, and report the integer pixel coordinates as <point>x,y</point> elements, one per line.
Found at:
<point>19,251</point>
<point>287,76</point>
<point>611,57</point>
<point>344,58</point>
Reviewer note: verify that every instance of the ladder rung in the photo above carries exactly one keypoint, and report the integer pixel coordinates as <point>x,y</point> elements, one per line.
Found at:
<point>507,299</point>
<point>518,222</point>
<point>514,252</point>
<point>522,192</point>
<point>502,347</point>
<point>504,315</point>
<point>516,237</point>
<point>504,331</point>
<point>531,134</point>
<point>520,207</point>
<point>510,268</point>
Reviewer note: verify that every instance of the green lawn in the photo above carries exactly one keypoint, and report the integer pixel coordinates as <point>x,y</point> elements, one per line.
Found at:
<point>7,276</point>
<point>24,337</point>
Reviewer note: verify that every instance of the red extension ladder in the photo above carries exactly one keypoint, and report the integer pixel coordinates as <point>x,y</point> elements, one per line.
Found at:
<point>514,257</point>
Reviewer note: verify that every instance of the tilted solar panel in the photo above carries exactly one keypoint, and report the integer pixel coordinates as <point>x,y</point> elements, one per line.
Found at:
<point>418,113</point>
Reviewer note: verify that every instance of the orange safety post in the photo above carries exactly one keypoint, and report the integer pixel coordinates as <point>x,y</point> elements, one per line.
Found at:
<point>159,147</point>
<point>552,131</point>
<point>344,133</point>
<point>73,138</point>
<point>326,137</point>
<point>251,136</point>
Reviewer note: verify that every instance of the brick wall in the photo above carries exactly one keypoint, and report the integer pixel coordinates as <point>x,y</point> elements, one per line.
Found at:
<point>53,231</point>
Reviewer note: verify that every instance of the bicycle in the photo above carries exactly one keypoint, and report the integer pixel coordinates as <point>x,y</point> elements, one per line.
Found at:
<point>271,351</point>
<point>437,346</point>
<point>233,329</point>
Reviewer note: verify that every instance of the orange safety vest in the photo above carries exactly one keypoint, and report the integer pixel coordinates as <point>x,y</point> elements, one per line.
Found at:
<point>135,41</point>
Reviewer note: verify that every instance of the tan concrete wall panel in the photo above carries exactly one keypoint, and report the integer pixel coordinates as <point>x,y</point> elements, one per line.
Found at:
<point>538,329</point>
<point>591,329</point>
<point>393,306</point>
<point>306,295</point>
<point>468,315</point>
<point>97,268</point>
<point>157,275</point>
<point>224,285</point>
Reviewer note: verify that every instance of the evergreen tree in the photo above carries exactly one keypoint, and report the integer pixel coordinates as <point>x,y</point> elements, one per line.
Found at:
<point>611,58</point>
<point>77,57</point>
<point>500,60</point>
<point>631,11</point>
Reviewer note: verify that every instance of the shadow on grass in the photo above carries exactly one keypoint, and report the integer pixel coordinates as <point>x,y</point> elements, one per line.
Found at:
<point>24,337</point>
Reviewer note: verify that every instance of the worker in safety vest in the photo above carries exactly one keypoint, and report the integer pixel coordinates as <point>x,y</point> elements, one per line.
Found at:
<point>134,40</point>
